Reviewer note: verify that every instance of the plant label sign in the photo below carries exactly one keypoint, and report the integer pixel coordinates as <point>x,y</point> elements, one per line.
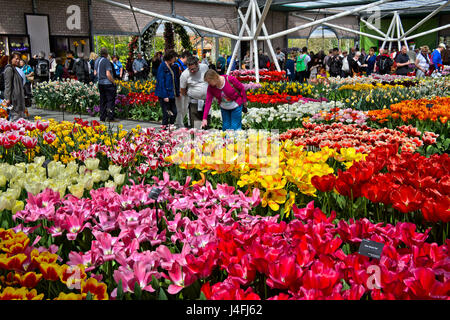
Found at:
<point>371,249</point>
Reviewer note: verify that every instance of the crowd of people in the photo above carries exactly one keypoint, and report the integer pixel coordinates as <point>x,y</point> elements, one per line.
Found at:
<point>186,86</point>
<point>303,66</point>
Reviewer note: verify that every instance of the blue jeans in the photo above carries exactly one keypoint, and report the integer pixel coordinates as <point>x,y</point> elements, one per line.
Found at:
<point>232,119</point>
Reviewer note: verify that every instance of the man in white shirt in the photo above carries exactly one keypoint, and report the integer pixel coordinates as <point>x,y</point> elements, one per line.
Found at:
<point>193,88</point>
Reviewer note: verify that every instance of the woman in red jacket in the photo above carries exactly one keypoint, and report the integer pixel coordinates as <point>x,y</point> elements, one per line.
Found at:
<point>231,96</point>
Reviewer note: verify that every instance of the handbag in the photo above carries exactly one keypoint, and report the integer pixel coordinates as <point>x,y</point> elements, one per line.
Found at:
<point>244,108</point>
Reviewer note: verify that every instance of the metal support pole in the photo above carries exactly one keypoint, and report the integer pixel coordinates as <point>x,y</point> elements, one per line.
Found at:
<point>202,42</point>
<point>428,32</point>
<point>249,32</point>
<point>238,43</point>
<point>255,42</point>
<point>398,30</point>
<point>268,41</point>
<point>428,17</point>
<point>342,28</point>
<point>321,21</point>
<point>173,20</point>
<point>262,17</point>
<point>216,42</point>
<point>371,26</point>
<point>387,33</point>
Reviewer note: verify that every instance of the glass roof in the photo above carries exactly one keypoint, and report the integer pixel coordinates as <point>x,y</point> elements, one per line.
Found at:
<point>344,5</point>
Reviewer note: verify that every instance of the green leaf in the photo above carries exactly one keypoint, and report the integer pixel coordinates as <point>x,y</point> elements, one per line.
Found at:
<point>89,296</point>
<point>162,294</point>
<point>202,296</point>
<point>120,291</point>
<point>345,285</point>
<point>137,291</point>
<point>155,283</point>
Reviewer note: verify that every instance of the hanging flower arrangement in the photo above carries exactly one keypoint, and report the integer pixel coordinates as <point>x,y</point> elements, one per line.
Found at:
<point>169,38</point>
<point>184,37</point>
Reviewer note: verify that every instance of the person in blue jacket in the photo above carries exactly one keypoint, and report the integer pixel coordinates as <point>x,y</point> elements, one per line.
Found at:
<point>290,67</point>
<point>436,56</point>
<point>167,88</point>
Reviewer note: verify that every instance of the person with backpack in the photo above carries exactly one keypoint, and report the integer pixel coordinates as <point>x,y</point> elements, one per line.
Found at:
<point>81,69</point>
<point>335,64</point>
<point>383,63</point>
<point>231,97</point>
<point>14,89</point>
<point>221,64</point>
<point>302,65</point>
<point>42,68</point>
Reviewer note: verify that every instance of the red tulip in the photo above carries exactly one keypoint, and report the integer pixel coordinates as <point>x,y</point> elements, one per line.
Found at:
<point>49,137</point>
<point>29,142</point>
<point>406,199</point>
<point>41,125</point>
<point>324,183</point>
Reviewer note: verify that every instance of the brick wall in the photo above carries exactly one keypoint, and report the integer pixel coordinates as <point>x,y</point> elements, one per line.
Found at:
<point>57,10</point>
<point>12,18</point>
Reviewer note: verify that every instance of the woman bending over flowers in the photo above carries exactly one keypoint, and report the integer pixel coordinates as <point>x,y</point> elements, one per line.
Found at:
<point>231,96</point>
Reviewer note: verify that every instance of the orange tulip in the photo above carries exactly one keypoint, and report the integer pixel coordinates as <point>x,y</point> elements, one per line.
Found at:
<point>98,290</point>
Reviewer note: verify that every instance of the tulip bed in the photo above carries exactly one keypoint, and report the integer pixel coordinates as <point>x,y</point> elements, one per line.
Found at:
<point>245,215</point>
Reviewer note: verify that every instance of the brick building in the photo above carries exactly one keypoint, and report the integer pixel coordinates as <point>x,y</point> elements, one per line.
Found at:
<point>72,22</point>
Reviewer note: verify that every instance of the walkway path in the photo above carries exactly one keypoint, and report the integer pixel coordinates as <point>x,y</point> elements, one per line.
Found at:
<point>60,116</point>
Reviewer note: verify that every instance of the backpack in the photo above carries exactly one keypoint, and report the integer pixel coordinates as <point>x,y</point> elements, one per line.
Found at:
<point>301,65</point>
<point>385,64</point>
<point>82,69</point>
<point>335,65</point>
<point>42,68</point>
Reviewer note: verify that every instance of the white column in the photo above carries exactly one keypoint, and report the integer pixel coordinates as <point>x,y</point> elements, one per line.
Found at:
<point>255,42</point>
<point>388,33</point>
<point>398,30</point>
<point>238,43</point>
<point>268,41</point>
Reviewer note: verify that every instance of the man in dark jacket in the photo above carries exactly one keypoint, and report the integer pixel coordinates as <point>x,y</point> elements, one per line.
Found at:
<point>106,86</point>
<point>167,89</point>
<point>335,64</point>
<point>81,69</point>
